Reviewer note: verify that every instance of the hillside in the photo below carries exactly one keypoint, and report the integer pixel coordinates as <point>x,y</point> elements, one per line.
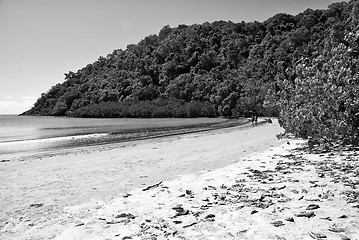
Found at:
<point>220,68</point>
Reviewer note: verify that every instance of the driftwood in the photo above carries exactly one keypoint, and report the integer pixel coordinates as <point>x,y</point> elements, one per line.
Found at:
<point>152,186</point>
<point>190,225</point>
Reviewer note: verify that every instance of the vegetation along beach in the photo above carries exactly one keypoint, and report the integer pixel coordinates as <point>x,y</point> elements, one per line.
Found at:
<point>218,130</point>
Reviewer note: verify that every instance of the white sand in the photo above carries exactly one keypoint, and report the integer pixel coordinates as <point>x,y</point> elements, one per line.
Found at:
<point>211,189</point>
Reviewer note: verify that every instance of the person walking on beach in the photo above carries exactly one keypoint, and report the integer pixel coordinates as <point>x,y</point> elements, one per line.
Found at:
<point>355,128</point>
<point>254,118</point>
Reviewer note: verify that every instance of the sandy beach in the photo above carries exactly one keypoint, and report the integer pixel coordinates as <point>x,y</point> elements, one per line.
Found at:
<point>233,183</point>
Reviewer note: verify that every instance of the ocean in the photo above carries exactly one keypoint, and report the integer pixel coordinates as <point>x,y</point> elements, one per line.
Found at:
<point>33,134</point>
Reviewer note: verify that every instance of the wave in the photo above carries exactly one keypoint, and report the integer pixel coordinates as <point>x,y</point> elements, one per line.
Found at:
<point>35,145</point>
<point>68,142</point>
<point>53,139</point>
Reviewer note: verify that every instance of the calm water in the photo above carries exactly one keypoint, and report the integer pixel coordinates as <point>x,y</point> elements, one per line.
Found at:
<point>35,134</point>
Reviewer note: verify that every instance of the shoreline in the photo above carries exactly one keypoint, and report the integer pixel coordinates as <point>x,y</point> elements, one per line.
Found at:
<point>230,183</point>
<point>73,142</point>
<point>38,189</point>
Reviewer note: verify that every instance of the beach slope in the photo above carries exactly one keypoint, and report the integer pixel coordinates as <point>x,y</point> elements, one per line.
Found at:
<point>235,183</point>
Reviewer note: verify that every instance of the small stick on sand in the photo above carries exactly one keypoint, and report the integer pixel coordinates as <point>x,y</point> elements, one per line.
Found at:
<point>152,186</point>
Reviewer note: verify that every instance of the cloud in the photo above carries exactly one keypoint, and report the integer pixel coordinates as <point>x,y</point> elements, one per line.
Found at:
<point>11,105</point>
<point>32,98</point>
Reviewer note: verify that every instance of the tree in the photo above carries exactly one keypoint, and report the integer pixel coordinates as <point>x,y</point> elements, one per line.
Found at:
<point>233,66</point>
<point>322,103</point>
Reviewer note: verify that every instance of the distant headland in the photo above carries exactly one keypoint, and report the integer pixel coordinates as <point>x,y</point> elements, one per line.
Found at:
<point>301,68</point>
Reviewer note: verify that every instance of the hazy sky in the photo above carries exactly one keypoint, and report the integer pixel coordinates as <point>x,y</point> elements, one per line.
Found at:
<point>40,40</point>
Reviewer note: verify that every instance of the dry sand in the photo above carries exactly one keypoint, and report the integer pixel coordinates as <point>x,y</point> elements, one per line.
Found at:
<point>215,185</point>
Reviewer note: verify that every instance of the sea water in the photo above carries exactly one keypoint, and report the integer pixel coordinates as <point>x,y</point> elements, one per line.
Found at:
<point>31,134</point>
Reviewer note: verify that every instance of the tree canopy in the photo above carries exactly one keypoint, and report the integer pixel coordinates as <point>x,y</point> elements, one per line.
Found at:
<point>303,67</point>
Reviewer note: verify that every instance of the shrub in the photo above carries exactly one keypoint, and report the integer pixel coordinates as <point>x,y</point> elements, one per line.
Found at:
<point>322,102</point>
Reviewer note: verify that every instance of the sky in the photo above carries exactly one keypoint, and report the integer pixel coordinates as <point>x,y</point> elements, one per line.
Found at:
<point>41,40</point>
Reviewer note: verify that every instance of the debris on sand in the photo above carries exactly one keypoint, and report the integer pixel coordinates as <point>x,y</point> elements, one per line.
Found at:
<point>284,193</point>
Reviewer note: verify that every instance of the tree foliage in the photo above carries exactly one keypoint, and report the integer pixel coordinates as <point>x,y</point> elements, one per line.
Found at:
<point>303,66</point>
<point>158,108</point>
<point>323,100</point>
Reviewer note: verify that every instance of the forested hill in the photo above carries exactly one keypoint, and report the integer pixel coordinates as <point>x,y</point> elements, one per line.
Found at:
<point>209,69</point>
